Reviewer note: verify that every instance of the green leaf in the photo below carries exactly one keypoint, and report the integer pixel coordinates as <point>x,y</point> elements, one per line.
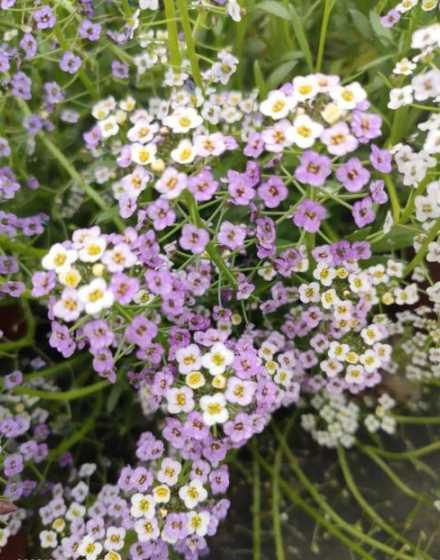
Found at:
<point>399,237</point>
<point>383,33</point>
<point>274,8</point>
<point>361,23</point>
<point>301,37</point>
<point>259,80</point>
<point>113,397</point>
<point>280,73</point>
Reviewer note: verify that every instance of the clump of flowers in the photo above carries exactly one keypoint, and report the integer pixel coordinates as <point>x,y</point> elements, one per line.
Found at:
<point>162,503</point>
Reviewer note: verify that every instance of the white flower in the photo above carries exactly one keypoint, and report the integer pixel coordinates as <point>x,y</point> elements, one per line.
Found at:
<point>218,359</point>
<point>149,4</point>
<point>59,258</point>
<point>69,307</point>
<point>147,530</point>
<point>143,131</point>
<point>370,361</point>
<point>48,539</point>
<point>183,120</point>
<point>142,506</point>
<point>355,375</point>
<point>304,131</point>
<point>404,67</point>
<point>324,274</point>
<point>331,367</point>
<point>309,293</point>
<point>198,523</point>
<point>426,85</point>
<point>119,257</point>
<point>179,400</point>
<point>188,358</point>
<point>114,538</point>
<point>89,548</point>
<point>347,97</point>
<point>277,105</point>
<point>193,494</point>
<point>338,351</point>
<point>234,10</point>
<point>75,511</point>
<point>108,127</point>
<point>305,87</point>
<point>432,142</point>
<point>96,296</point>
<point>169,472</point>
<point>214,409</point>
<point>171,184</point>
<point>92,250</point>
<point>161,494</point>
<point>143,154</point>
<point>184,153</point>
<point>406,5</point>
<point>400,97</point>
<point>371,334</point>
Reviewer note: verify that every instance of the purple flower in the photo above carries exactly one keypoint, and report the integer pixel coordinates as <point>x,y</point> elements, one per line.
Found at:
<point>339,140</point>
<point>232,236</point>
<point>240,188</point>
<point>390,19</point>
<point>123,287</point>
<point>141,331</point>
<point>89,30</point>
<point>314,168</point>
<point>378,193</point>
<point>203,186</point>
<point>8,265</point>
<point>21,86</point>
<point>54,93</point>
<point>70,62</point>
<point>161,214</point>
<point>381,160</point>
<point>120,69</point>
<point>366,126</point>
<point>61,340</point>
<point>363,212</point>
<point>29,44</point>
<point>44,17</point>
<point>13,464</point>
<point>255,146</point>
<point>219,479</point>
<point>272,192</point>
<point>309,214</point>
<point>353,175</point>
<point>98,334</point>
<point>43,283</point>
<point>13,379</point>
<point>193,239</point>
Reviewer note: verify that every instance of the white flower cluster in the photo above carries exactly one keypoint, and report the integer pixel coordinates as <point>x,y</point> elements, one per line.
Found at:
<point>411,164</point>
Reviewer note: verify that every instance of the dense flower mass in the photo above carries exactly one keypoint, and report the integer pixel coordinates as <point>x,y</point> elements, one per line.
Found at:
<point>192,249</point>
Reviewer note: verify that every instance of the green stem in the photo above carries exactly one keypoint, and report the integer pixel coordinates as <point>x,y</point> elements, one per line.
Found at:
<point>395,204</point>
<point>211,248</point>
<point>420,255</point>
<point>278,535</point>
<point>62,395</point>
<point>70,169</point>
<point>421,420</point>
<point>403,455</point>
<point>334,516</point>
<point>368,510</point>
<point>55,369</point>
<point>296,499</point>
<point>393,477</point>
<point>173,34</point>
<point>328,6</point>
<point>190,47</point>
<point>256,505</point>
<point>21,248</point>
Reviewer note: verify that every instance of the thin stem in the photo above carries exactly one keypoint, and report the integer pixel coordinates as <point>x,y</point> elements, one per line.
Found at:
<point>70,169</point>
<point>190,47</point>
<point>393,476</point>
<point>173,35</point>
<point>256,505</point>
<point>370,511</point>
<point>328,6</point>
<point>420,255</point>
<point>296,499</point>
<point>403,455</point>
<point>322,502</point>
<point>278,535</point>
<point>62,395</point>
<point>421,420</point>
<point>395,204</point>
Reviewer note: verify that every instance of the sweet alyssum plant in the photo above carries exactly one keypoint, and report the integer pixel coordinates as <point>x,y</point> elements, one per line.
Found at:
<point>251,252</point>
